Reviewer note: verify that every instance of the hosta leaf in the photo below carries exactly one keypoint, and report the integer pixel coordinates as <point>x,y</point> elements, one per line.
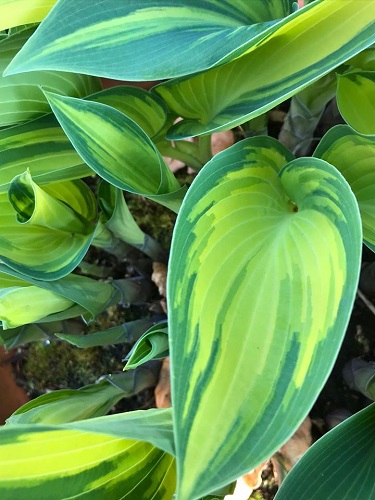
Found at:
<point>315,40</point>
<point>21,99</point>
<point>43,148</point>
<point>262,277</point>
<point>146,109</point>
<point>117,218</point>
<point>152,345</point>
<point>115,147</point>
<point>169,38</point>
<point>340,465</point>
<point>90,296</point>
<point>17,12</point>
<point>354,156</point>
<point>55,223</point>
<point>14,337</point>
<point>95,400</point>
<point>81,464</point>
<point>126,333</point>
<point>22,303</point>
<point>356,100</point>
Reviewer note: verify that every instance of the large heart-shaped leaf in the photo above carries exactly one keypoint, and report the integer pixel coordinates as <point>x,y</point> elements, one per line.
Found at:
<point>354,156</point>
<point>340,465</point>
<point>262,277</point>
<point>169,38</point>
<point>47,230</point>
<point>316,39</point>
<point>115,147</point>
<point>21,99</point>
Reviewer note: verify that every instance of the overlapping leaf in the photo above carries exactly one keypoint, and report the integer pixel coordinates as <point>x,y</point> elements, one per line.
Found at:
<point>117,149</point>
<point>354,156</point>
<point>315,40</point>
<point>18,12</point>
<point>94,400</point>
<point>262,277</point>
<point>99,458</point>
<point>54,223</point>
<point>85,296</point>
<point>169,38</point>
<point>20,96</point>
<point>356,100</point>
<point>340,465</point>
<point>42,146</point>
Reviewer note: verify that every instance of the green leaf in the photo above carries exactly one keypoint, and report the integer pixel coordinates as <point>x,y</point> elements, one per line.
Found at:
<point>95,400</point>
<point>353,155</point>
<point>355,99</point>
<point>90,296</point>
<point>114,146</point>
<point>126,333</point>
<point>55,223</point>
<point>360,376</point>
<point>340,465</point>
<point>146,109</point>
<point>263,272</point>
<point>21,99</point>
<point>22,303</point>
<point>117,218</point>
<point>168,38</point>
<point>36,460</point>
<point>42,146</point>
<point>14,337</point>
<point>309,44</point>
<point>152,345</point>
<point>17,12</point>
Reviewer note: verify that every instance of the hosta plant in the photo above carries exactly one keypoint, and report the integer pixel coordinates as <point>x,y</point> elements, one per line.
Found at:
<point>266,249</point>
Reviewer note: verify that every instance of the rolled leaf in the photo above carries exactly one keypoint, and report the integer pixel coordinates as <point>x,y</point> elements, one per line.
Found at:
<point>152,345</point>
<point>95,400</point>
<point>360,376</point>
<point>21,99</point>
<point>354,156</point>
<point>83,463</point>
<point>169,38</point>
<point>126,333</point>
<point>115,147</point>
<point>339,465</point>
<point>17,12</point>
<point>355,99</point>
<point>56,224</point>
<point>302,50</point>
<point>255,338</point>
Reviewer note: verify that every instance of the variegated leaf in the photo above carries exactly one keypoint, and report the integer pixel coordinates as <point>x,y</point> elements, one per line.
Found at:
<point>262,277</point>
<point>46,231</point>
<point>115,147</point>
<point>314,41</point>
<point>169,38</point>
<point>21,99</point>
<point>18,12</point>
<point>354,156</point>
